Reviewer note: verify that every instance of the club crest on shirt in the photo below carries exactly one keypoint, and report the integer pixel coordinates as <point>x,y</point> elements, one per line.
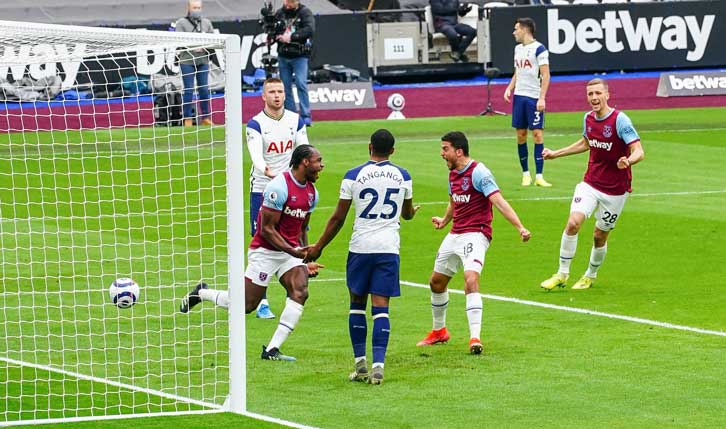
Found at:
<point>293,198</point>
<point>607,131</point>
<point>465,183</point>
<point>577,199</point>
<point>263,277</point>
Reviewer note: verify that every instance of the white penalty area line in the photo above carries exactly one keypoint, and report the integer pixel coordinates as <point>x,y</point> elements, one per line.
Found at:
<point>583,311</point>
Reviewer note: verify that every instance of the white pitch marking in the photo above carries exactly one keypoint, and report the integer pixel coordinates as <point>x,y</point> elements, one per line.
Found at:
<point>583,311</point>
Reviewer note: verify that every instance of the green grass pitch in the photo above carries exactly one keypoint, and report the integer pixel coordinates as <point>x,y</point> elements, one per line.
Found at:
<point>542,367</point>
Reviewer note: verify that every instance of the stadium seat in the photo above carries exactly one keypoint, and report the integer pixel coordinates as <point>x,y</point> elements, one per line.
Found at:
<point>560,2</point>
<point>586,2</point>
<point>439,44</point>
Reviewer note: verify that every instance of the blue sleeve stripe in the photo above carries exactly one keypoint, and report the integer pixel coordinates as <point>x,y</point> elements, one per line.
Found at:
<point>300,123</point>
<point>539,50</point>
<point>352,174</point>
<point>254,125</point>
<point>404,173</point>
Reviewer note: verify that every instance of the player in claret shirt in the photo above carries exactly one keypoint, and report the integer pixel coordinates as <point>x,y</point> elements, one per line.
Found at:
<point>614,147</point>
<point>278,248</point>
<point>472,192</point>
<point>272,135</point>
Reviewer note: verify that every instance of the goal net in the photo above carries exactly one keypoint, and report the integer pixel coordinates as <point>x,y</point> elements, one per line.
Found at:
<point>108,170</point>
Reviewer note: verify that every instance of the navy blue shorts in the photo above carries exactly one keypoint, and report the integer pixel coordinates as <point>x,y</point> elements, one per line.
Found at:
<point>525,114</point>
<point>373,273</point>
<point>255,205</point>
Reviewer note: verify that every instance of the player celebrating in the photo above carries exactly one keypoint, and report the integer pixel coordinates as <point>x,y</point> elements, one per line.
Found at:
<point>472,192</point>
<point>530,82</point>
<point>381,192</point>
<point>272,135</point>
<point>277,248</point>
<point>614,147</point>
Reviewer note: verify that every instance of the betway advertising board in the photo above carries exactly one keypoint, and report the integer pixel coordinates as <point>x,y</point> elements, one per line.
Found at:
<point>626,36</point>
<point>686,84</point>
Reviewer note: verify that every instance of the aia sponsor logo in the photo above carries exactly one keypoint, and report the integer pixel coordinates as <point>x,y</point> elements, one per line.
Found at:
<point>280,147</point>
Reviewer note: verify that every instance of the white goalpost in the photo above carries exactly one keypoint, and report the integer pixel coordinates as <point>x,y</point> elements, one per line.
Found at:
<point>107,172</point>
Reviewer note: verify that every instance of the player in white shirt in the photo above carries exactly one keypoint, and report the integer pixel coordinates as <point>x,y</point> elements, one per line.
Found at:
<point>381,194</point>
<point>530,82</point>
<point>272,135</point>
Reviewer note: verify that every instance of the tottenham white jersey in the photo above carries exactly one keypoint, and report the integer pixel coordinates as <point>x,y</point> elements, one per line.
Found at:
<point>377,190</point>
<point>527,59</point>
<point>271,142</point>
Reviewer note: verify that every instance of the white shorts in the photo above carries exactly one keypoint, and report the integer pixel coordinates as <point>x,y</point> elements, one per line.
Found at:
<point>263,263</point>
<point>457,250</point>
<point>609,207</point>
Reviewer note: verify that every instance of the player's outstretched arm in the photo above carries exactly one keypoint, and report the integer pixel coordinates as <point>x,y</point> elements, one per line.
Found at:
<point>336,221</point>
<point>409,210</point>
<point>508,212</point>
<point>577,147</point>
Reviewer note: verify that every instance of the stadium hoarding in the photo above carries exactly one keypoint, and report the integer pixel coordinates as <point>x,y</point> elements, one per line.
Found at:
<point>686,84</point>
<point>618,36</point>
<point>340,95</point>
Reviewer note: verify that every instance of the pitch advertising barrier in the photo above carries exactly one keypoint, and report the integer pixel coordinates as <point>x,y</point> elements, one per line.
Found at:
<point>686,84</point>
<point>627,36</point>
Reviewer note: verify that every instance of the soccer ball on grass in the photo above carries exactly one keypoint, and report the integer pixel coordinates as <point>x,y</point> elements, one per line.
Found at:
<point>124,292</point>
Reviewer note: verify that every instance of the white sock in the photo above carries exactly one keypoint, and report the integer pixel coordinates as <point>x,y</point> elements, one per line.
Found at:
<point>526,174</point>
<point>539,176</point>
<point>378,365</point>
<point>288,320</point>
<point>360,358</point>
<point>597,255</point>
<point>439,303</point>
<point>263,302</point>
<point>473,313</point>
<point>218,297</point>
<point>568,246</point>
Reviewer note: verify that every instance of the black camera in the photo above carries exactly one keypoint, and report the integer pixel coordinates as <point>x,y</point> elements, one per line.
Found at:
<point>272,26</point>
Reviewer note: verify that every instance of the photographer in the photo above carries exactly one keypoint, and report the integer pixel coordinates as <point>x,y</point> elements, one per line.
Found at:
<point>195,63</point>
<point>293,53</point>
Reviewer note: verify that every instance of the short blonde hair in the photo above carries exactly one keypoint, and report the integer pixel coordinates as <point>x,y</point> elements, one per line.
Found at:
<point>596,81</point>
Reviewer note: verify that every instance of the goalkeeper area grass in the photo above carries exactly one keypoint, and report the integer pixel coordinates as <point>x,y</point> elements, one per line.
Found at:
<point>643,348</point>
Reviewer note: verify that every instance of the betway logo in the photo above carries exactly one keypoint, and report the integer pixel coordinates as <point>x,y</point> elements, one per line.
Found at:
<point>673,33</point>
<point>15,60</point>
<point>460,198</point>
<point>600,145</point>
<point>328,95</point>
<point>298,213</point>
<point>698,81</point>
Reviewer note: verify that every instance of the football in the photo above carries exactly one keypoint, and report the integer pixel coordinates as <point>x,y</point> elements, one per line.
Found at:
<point>124,292</point>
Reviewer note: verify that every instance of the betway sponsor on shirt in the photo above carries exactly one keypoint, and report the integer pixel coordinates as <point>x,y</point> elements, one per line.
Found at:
<point>337,95</point>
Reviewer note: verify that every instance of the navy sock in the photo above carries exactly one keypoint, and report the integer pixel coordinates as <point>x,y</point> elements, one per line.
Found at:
<point>524,156</point>
<point>538,160</point>
<point>381,332</point>
<point>358,328</point>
